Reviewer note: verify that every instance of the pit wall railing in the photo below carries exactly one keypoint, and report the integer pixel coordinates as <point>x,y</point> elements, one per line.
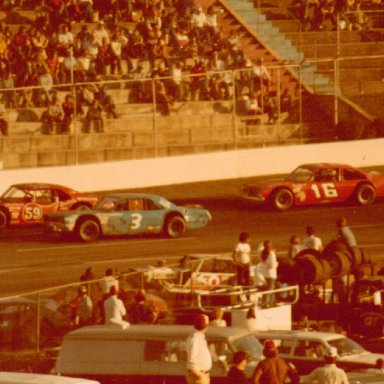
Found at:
<point>36,322</point>
<point>213,108</point>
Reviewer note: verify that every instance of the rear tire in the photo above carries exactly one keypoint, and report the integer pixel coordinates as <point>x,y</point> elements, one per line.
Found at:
<point>175,227</point>
<point>282,199</point>
<point>365,194</point>
<point>88,230</point>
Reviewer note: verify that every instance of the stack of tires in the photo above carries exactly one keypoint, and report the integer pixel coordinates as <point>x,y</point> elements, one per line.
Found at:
<point>311,266</point>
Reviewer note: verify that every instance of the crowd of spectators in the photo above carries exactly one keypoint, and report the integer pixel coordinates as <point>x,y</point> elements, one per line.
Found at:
<point>175,42</point>
<point>317,15</point>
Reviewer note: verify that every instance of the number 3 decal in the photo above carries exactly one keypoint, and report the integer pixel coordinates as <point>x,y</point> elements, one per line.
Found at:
<point>328,189</point>
<point>32,212</point>
<point>136,221</point>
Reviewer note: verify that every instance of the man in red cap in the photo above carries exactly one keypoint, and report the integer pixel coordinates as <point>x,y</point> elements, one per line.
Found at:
<point>199,359</point>
<point>273,369</point>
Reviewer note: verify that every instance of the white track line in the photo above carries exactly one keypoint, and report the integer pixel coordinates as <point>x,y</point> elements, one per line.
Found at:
<point>100,245</point>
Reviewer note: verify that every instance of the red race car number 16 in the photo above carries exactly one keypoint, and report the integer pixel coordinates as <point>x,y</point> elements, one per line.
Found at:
<point>32,212</point>
<point>327,190</point>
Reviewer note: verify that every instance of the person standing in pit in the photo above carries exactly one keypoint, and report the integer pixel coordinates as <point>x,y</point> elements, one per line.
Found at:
<point>242,258</point>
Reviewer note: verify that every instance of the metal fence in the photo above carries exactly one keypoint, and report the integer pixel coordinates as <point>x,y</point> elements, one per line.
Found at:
<point>196,112</point>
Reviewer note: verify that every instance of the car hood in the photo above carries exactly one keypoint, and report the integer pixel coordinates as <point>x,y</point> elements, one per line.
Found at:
<point>364,358</point>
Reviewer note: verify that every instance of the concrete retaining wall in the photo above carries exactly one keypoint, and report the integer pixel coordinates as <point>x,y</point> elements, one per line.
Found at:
<point>202,167</point>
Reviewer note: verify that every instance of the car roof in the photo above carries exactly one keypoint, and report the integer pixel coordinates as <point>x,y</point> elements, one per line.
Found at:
<point>35,186</point>
<point>150,331</point>
<point>325,165</point>
<point>32,378</point>
<point>299,334</point>
<point>138,195</point>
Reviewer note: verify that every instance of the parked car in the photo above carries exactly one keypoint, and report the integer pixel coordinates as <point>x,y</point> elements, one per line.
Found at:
<point>305,349</point>
<point>18,322</point>
<point>319,183</point>
<point>128,214</point>
<point>147,354</point>
<point>28,203</point>
<point>33,378</point>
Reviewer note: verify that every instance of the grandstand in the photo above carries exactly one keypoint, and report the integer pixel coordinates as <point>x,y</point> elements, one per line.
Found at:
<point>325,85</point>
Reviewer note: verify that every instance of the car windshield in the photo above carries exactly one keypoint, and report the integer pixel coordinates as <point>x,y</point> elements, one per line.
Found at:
<point>346,347</point>
<point>250,345</point>
<point>15,193</point>
<point>301,175</point>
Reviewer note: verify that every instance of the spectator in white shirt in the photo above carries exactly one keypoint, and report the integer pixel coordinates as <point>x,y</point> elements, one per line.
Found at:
<point>312,241</point>
<point>114,309</point>
<point>199,359</point>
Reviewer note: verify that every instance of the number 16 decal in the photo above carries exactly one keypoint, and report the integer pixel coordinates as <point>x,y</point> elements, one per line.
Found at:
<point>327,190</point>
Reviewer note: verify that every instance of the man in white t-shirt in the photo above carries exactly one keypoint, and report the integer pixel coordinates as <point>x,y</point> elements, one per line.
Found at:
<point>242,258</point>
<point>312,241</point>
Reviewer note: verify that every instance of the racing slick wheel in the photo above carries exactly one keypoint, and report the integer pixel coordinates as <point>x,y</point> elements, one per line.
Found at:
<point>174,226</point>
<point>88,230</point>
<point>282,199</point>
<point>3,220</point>
<point>365,194</point>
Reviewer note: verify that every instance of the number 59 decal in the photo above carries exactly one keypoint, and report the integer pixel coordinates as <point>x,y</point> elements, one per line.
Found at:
<point>327,190</point>
<point>32,212</point>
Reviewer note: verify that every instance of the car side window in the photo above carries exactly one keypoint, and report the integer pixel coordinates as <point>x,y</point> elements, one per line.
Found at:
<point>151,205</point>
<point>351,174</point>
<point>61,195</point>
<point>136,205</point>
<point>307,348</point>
<point>170,350</point>
<point>219,348</point>
<point>154,350</point>
<point>284,346</point>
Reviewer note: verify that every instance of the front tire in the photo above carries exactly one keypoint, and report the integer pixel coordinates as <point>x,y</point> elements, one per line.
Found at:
<point>282,199</point>
<point>365,194</point>
<point>175,227</point>
<point>3,220</point>
<point>88,230</point>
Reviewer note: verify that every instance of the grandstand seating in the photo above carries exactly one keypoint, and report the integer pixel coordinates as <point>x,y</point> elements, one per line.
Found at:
<point>271,31</point>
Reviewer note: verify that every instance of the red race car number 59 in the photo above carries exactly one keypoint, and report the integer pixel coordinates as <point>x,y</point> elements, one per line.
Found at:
<point>32,212</point>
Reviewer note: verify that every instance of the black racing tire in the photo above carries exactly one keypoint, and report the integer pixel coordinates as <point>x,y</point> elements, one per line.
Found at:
<point>282,199</point>
<point>309,251</point>
<point>339,262</point>
<point>3,220</point>
<point>88,230</point>
<point>365,194</point>
<point>174,227</point>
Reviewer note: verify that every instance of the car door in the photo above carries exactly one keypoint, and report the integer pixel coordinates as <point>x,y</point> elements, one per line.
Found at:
<point>134,215</point>
<point>42,202</point>
<point>326,187</point>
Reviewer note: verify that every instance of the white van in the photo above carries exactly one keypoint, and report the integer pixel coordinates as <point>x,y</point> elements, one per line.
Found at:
<point>148,353</point>
<point>34,378</point>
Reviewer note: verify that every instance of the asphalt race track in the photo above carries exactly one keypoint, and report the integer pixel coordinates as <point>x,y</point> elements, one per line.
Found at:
<point>30,261</point>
